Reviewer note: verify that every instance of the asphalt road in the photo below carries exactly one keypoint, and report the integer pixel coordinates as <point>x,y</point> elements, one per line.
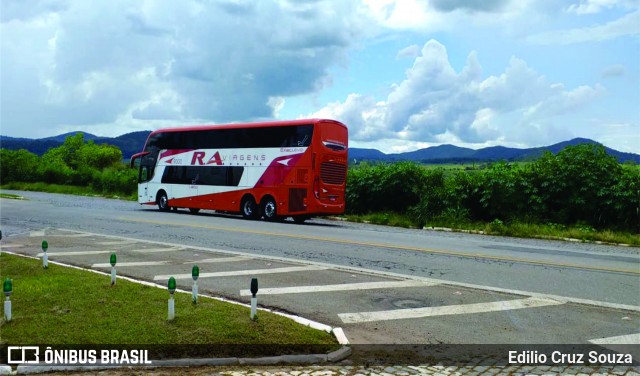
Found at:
<point>459,271</point>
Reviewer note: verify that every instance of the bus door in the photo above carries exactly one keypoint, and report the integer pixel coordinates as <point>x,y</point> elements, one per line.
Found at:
<point>145,174</point>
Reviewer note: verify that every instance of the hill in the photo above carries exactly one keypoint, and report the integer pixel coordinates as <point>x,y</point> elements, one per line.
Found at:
<point>455,154</point>
<point>129,143</point>
<point>132,143</point>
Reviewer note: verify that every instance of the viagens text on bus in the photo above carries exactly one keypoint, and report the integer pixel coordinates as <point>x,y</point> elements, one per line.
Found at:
<point>271,170</point>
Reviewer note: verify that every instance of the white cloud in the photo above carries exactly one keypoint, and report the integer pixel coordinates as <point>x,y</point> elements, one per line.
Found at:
<point>627,25</point>
<point>596,6</point>
<point>434,103</point>
<point>412,51</point>
<point>77,63</point>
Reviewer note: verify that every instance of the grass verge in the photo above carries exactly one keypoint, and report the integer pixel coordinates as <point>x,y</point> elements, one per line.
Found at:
<point>516,229</point>
<point>62,305</point>
<point>65,189</point>
<point>11,196</point>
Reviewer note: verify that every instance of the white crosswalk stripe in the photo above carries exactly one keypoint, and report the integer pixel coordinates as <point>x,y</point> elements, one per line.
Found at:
<point>79,253</point>
<point>243,272</point>
<point>629,339</point>
<point>339,287</point>
<point>461,309</point>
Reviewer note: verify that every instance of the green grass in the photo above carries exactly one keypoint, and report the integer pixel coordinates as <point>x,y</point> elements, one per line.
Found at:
<point>62,305</point>
<point>11,196</point>
<point>552,230</point>
<point>516,229</point>
<point>65,189</point>
<point>387,219</point>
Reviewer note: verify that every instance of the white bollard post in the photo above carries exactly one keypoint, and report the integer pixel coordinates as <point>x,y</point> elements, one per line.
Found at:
<point>172,308</point>
<point>254,299</point>
<point>7,310</point>
<point>112,261</point>
<point>45,257</point>
<point>195,273</point>
<point>7,288</point>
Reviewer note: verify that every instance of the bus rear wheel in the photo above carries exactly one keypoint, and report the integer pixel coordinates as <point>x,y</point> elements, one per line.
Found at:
<point>269,209</point>
<point>163,201</point>
<point>248,208</point>
<point>194,210</point>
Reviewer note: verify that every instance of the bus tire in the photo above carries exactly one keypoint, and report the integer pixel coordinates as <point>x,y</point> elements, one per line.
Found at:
<point>194,210</point>
<point>248,208</point>
<point>163,201</point>
<point>269,209</point>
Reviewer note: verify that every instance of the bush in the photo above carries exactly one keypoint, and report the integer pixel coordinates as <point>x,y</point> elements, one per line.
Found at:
<point>73,163</point>
<point>580,185</point>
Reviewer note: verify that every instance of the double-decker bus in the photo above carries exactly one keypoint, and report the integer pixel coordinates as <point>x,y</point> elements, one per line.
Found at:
<point>270,170</point>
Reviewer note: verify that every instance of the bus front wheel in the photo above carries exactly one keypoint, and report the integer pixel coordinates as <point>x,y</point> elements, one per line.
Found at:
<point>248,208</point>
<point>163,201</point>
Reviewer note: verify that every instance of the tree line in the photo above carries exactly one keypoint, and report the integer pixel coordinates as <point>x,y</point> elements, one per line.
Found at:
<point>581,185</point>
<point>75,162</point>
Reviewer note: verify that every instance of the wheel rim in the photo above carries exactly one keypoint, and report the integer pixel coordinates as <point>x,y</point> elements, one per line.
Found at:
<point>163,201</point>
<point>248,208</point>
<point>270,209</point>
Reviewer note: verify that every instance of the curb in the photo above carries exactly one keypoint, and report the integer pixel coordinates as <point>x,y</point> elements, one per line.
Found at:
<point>332,357</point>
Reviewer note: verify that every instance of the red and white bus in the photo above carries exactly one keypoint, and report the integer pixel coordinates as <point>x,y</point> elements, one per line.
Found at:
<point>273,170</point>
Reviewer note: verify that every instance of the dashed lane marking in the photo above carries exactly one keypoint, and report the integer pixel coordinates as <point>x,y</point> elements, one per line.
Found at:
<point>339,287</point>
<point>243,272</point>
<point>461,309</point>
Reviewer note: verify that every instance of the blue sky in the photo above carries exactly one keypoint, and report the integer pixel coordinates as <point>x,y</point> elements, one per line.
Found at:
<point>402,74</point>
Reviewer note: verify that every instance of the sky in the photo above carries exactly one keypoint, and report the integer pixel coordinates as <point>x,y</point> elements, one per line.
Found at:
<point>401,74</point>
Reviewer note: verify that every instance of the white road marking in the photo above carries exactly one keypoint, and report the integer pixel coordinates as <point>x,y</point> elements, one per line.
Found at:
<point>563,299</point>
<point>73,235</point>
<point>33,234</point>
<point>630,339</point>
<point>117,242</point>
<point>339,287</point>
<point>138,263</point>
<point>81,253</point>
<point>157,250</point>
<point>462,309</point>
<point>218,259</point>
<point>243,272</point>
<point>3,246</point>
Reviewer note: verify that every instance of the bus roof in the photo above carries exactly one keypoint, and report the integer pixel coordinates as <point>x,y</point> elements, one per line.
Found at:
<point>283,123</point>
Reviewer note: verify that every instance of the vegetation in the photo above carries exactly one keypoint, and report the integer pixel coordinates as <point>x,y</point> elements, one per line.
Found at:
<point>61,305</point>
<point>581,186</point>
<point>93,168</point>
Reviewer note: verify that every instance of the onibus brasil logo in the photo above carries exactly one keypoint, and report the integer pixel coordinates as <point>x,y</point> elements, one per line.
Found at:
<point>33,355</point>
